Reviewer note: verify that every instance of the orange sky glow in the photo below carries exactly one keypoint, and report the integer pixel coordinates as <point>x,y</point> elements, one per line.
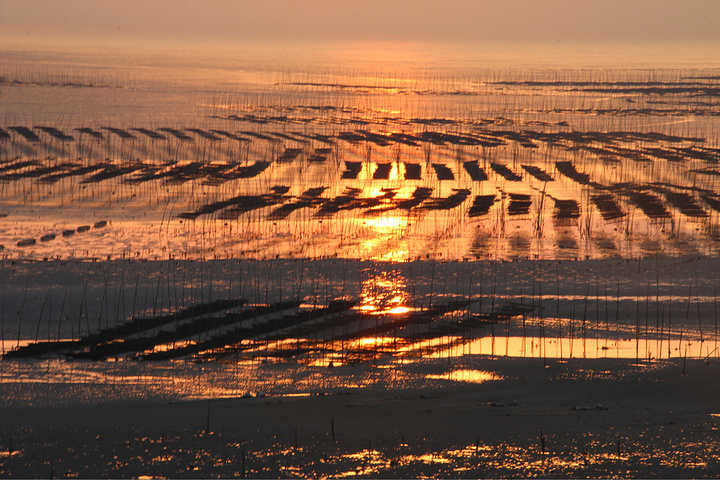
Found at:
<point>508,20</point>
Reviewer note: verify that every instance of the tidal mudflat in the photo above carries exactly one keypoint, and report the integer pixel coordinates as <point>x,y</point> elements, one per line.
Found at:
<point>218,267</point>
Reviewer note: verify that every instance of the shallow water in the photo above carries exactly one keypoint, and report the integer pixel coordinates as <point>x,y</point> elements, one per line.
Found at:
<point>642,147</point>
<point>171,178</point>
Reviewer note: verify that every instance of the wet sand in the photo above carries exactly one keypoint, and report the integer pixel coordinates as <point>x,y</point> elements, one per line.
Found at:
<point>609,418</point>
<point>145,222</point>
<point>453,415</point>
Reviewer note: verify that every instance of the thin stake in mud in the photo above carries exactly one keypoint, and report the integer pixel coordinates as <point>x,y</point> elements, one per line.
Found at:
<point>557,307</point>
<point>42,310</point>
<point>687,311</point>
<point>584,320</point>
<point>242,456</point>
<point>83,302</point>
<point>617,305</point>
<point>2,323</point>
<point>492,312</point>
<point>597,304</point>
<point>657,294</point>
<point>715,312</point>
<point>669,330</point>
<point>637,322</point>
<point>207,424</point>
<point>22,310</point>
<point>532,306</point>
<point>103,301</point>
<point>543,345</point>
<point>697,305</point>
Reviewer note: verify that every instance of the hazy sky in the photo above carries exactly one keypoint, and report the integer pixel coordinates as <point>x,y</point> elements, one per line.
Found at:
<point>490,20</point>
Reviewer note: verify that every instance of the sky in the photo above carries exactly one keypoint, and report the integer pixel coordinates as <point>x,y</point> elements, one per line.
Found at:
<point>485,20</point>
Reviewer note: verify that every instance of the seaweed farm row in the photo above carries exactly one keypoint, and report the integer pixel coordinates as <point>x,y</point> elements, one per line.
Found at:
<point>546,164</point>
<point>610,145</point>
<point>345,311</point>
<point>550,192</point>
<point>283,329</point>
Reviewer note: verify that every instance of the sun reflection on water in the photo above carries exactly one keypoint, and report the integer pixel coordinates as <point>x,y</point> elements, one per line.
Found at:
<point>386,225</point>
<point>466,375</point>
<point>385,293</point>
